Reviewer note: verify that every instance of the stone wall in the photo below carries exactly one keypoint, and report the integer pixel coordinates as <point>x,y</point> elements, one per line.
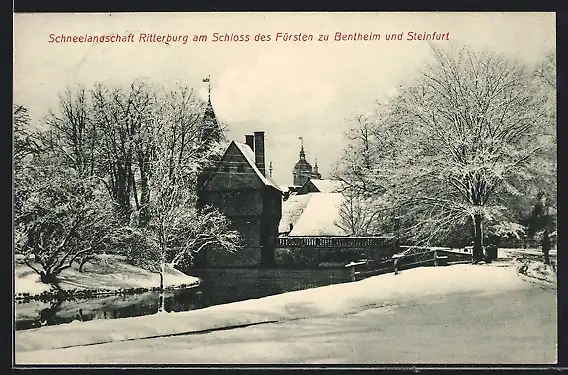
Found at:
<point>246,257</point>
<point>300,257</point>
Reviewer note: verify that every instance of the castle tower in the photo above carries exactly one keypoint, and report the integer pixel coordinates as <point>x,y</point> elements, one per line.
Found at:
<point>315,174</point>
<point>302,170</point>
<point>211,130</point>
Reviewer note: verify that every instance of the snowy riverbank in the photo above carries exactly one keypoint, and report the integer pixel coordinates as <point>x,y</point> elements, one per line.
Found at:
<point>105,273</point>
<point>340,299</point>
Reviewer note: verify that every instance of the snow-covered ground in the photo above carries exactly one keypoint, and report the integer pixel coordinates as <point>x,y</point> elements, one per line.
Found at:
<point>539,271</point>
<point>509,327</point>
<point>333,300</point>
<point>530,263</point>
<point>513,253</point>
<point>105,272</point>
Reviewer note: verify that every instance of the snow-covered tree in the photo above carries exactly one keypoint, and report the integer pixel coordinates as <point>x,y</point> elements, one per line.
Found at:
<point>542,223</point>
<point>543,217</point>
<point>362,156</point>
<point>118,169</point>
<point>64,218</point>
<point>174,228</point>
<point>359,214</point>
<point>107,132</point>
<point>466,133</point>
<point>25,145</point>
<point>476,130</point>
<point>546,70</point>
<point>72,134</point>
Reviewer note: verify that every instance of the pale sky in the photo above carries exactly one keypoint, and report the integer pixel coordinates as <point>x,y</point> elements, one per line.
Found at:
<point>287,89</point>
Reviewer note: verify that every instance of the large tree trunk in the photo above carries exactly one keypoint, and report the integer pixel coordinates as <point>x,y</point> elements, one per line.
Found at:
<point>144,197</point>
<point>48,278</point>
<point>51,279</point>
<point>161,301</point>
<point>123,200</point>
<point>82,263</point>
<point>477,238</point>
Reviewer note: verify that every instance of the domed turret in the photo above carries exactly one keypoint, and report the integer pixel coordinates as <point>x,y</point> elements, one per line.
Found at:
<point>303,170</point>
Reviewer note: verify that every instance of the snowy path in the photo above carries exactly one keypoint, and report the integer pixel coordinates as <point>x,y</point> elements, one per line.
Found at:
<point>513,326</point>
<point>325,302</point>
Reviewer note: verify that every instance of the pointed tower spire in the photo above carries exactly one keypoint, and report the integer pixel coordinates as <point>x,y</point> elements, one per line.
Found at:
<point>209,88</point>
<point>208,81</point>
<point>211,129</point>
<point>302,153</point>
<point>316,165</point>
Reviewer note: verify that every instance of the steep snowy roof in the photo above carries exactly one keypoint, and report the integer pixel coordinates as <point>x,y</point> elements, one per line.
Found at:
<point>248,153</point>
<point>328,186</point>
<point>319,216</point>
<point>292,209</point>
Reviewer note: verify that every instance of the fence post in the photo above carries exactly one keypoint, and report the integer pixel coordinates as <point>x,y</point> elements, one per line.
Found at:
<point>435,258</point>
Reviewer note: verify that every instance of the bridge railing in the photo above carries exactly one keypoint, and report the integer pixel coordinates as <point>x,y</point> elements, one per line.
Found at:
<point>340,242</point>
<point>411,257</point>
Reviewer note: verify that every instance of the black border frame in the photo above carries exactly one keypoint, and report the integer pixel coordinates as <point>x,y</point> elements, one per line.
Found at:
<point>111,6</point>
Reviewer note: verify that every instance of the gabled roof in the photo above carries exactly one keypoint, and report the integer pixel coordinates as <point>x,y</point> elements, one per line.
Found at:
<point>248,153</point>
<point>319,216</point>
<point>292,209</point>
<point>329,186</point>
<point>323,186</point>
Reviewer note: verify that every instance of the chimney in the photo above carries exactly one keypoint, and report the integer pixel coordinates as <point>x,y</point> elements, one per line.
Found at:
<point>249,140</point>
<point>259,151</point>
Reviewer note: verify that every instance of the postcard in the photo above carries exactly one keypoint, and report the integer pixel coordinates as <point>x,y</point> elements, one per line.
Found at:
<point>285,188</point>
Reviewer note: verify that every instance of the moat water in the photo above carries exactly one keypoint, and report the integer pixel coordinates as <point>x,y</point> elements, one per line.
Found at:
<point>218,286</point>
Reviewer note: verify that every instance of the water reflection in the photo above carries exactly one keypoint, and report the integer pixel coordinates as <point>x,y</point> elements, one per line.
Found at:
<point>47,315</point>
<point>218,286</point>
